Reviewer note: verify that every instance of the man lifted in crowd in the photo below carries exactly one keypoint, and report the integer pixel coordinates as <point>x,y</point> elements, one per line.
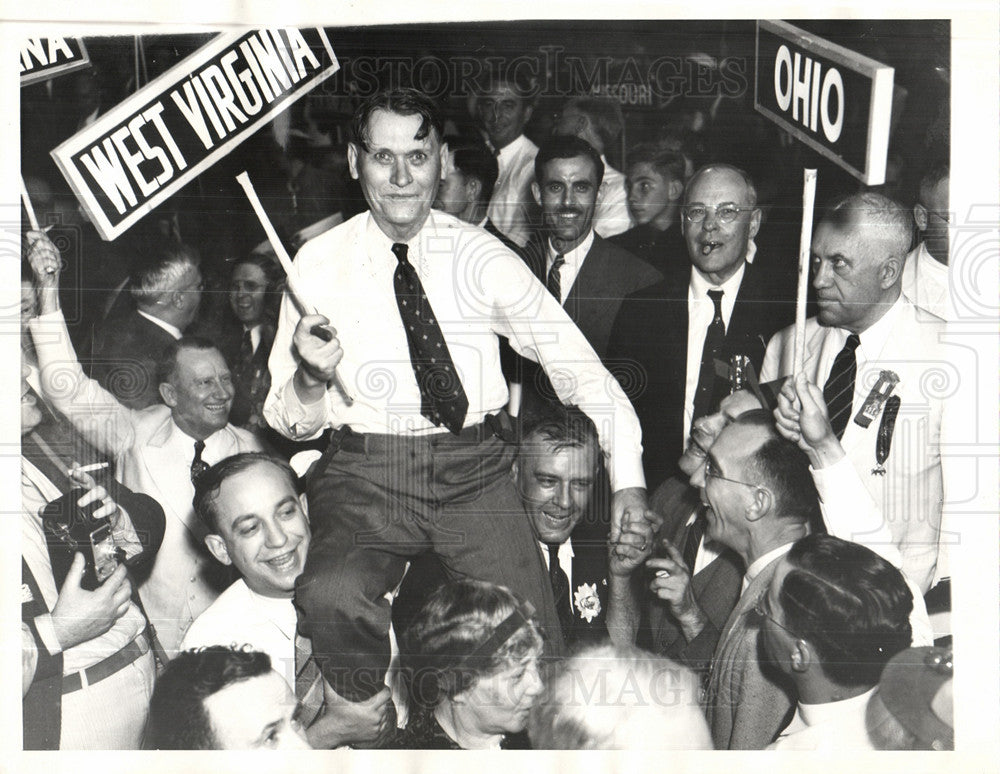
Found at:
<point>257,523</point>
<point>655,186</point>
<point>599,121</point>
<point>720,303</point>
<point>504,109</point>
<point>420,462</point>
<point>158,450</point>
<point>166,287</point>
<point>871,348</point>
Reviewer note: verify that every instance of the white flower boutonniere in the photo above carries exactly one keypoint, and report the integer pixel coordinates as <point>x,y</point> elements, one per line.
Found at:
<point>586,601</point>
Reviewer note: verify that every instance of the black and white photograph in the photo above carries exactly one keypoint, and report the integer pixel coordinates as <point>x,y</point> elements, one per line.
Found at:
<point>618,380</point>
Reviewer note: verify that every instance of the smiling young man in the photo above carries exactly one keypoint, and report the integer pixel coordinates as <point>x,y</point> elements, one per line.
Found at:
<point>503,110</point>
<point>589,275</point>
<point>158,450</point>
<point>417,300</point>
<point>257,523</point>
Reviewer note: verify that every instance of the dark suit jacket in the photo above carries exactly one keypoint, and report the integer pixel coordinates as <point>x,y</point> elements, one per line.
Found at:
<point>716,588</point>
<point>660,249</point>
<point>609,275</point>
<point>648,352</point>
<point>251,379</point>
<point>124,363</point>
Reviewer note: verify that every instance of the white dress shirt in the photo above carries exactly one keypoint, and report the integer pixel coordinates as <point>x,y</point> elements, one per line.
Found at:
<point>611,216</point>
<point>511,200</point>
<point>701,311</point>
<point>153,456</point>
<point>573,262</point>
<point>833,726</point>
<point>477,289</point>
<point>925,282</point>
<point>173,330</point>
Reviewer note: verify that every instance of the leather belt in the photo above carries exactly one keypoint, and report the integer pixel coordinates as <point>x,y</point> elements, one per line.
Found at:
<point>376,443</point>
<point>103,669</point>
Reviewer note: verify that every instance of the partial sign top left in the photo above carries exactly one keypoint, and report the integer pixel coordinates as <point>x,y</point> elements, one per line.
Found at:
<point>156,141</point>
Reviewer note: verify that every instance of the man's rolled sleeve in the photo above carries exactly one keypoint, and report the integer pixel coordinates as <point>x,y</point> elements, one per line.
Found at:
<point>47,633</point>
<point>291,417</point>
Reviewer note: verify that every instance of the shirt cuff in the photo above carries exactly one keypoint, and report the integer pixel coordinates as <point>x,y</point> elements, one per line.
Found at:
<point>302,421</point>
<point>625,472</point>
<point>47,633</point>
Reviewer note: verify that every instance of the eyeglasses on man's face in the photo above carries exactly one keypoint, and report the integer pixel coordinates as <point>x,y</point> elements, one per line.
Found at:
<point>724,213</point>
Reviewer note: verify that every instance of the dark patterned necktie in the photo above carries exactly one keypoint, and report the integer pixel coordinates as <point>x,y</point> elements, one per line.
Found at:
<point>442,397</point>
<point>246,349</point>
<point>560,587</point>
<point>552,281</point>
<point>198,465</point>
<point>715,339</point>
<point>308,681</point>
<point>838,392</point>
<point>693,540</point>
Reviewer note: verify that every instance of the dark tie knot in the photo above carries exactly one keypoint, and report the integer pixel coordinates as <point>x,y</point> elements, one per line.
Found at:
<point>716,296</point>
<point>198,465</point>
<point>559,261</point>
<point>853,342</point>
<point>400,250</point>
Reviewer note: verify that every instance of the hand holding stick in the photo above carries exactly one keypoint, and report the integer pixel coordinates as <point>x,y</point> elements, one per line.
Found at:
<point>294,283</point>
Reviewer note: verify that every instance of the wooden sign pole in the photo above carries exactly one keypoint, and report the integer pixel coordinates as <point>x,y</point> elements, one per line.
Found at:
<point>805,242</point>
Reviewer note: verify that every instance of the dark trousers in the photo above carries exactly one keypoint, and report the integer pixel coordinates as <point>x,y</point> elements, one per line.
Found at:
<point>374,501</point>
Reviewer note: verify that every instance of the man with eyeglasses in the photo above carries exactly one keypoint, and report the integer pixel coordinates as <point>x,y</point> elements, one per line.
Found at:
<point>759,499</point>
<point>719,304</point>
<point>158,450</point>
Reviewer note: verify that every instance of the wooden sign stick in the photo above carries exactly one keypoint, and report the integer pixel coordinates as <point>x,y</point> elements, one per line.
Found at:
<point>805,242</point>
<point>294,283</point>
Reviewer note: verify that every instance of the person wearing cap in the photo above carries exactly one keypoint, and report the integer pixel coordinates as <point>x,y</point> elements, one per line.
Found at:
<point>912,708</point>
<point>833,614</point>
<point>472,658</point>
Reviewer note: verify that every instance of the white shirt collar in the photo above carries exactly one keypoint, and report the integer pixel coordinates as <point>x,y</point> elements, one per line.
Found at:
<point>514,148</point>
<point>173,330</point>
<point>279,610</point>
<point>763,561</point>
<point>699,285</point>
<point>565,552</point>
<point>574,258</point>
<point>816,714</point>
<point>873,339</point>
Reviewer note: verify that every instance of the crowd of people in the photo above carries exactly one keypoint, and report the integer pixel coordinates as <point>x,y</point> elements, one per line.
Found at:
<point>532,465</point>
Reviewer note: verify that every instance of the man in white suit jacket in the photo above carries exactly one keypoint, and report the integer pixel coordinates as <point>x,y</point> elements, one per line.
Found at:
<point>858,252</point>
<point>154,448</point>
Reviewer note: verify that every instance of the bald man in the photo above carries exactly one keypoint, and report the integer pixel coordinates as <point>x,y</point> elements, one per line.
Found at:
<point>865,323</point>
